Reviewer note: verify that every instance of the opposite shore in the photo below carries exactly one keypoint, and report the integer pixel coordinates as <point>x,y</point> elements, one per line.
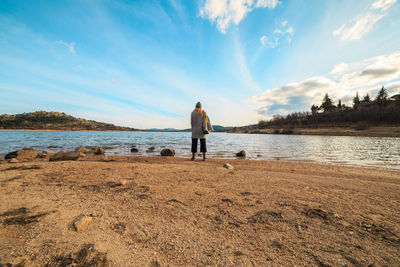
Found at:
<point>378,131</point>
<point>159,211</point>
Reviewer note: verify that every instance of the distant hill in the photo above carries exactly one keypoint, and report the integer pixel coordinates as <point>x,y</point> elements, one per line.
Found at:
<point>42,120</point>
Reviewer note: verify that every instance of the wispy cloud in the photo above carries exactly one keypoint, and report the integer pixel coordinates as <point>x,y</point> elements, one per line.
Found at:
<point>383,4</point>
<point>341,83</point>
<point>226,12</point>
<point>263,39</point>
<point>359,26</point>
<point>70,46</point>
<point>284,30</point>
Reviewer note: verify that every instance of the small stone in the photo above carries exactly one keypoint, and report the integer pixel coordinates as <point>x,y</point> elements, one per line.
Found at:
<point>104,158</point>
<point>46,153</point>
<point>99,151</point>
<point>82,223</point>
<point>241,154</point>
<point>82,155</point>
<point>80,149</point>
<point>166,152</point>
<point>228,166</point>
<point>123,182</point>
<point>13,160</point>
<point>134,150</point>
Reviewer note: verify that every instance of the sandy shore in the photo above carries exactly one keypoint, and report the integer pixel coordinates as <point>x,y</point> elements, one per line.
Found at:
<point>175,212</point>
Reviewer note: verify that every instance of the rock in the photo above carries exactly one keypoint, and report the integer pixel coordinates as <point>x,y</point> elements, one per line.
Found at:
<point>150,150</point>
<point>123,182</point>
<point>13,160</point>
<point>228,166</point>
<point>166,152</point>
<point>80,149</point>
<point>104,158</point>
<point>82,155</point>
<point>134,150</point>
<point>82,223</point>
<point>24,154</point>
<point>99,151</point>
<point>71,155</point>
<point>241,154</point>
<point>46,153</point>
<point>2,158</point>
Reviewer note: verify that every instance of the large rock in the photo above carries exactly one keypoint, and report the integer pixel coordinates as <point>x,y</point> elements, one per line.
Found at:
<point>24,154</point>
<point>63,155</point>
<point>241,154</point>
<point>13,160</point>
<point>82,223</point>
<point>134,150</point>
<point>166,152</point>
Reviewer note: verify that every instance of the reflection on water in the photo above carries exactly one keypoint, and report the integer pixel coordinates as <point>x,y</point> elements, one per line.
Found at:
<point>345,150</point>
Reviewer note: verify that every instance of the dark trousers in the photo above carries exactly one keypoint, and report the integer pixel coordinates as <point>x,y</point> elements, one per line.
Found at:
<point>203,147</point>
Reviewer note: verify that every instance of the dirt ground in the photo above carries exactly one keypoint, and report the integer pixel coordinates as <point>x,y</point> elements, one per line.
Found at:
<point>175,212</point>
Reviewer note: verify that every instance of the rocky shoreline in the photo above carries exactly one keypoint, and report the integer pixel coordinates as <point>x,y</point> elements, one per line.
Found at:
<point>167,211</point>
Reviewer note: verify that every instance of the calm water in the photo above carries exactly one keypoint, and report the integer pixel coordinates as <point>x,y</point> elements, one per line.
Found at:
<point>345,150</point>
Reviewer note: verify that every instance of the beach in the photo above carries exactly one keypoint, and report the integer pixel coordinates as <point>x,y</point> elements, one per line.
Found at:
<point>166,211</point>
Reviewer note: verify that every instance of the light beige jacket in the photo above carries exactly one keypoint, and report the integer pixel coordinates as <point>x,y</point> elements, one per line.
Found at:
<point>196,122</point>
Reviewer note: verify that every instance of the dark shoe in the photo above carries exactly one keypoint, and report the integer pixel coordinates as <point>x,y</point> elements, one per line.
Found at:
<point>192,158</point>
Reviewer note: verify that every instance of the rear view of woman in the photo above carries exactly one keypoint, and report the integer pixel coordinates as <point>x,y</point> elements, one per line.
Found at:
<point>201,126</point>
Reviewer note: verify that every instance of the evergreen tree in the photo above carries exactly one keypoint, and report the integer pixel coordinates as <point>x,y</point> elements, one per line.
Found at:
<point>339,105</point>
<point>356,101</point>
<point>381,98</point>
<point>327,103</point>
<point>314,109</point>
<point>366,99</point>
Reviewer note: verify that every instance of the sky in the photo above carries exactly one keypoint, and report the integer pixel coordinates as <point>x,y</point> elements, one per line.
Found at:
<point>145,64</point>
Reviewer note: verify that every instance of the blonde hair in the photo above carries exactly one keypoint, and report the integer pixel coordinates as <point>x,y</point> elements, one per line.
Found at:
<point>199,111</point>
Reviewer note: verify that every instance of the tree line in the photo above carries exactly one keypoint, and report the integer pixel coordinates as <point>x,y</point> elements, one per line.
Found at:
<point>382,110</point>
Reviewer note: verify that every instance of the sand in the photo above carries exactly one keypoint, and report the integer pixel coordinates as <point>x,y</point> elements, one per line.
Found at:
<point>175,212</point>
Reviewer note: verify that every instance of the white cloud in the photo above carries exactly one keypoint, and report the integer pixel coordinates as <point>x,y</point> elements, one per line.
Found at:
<point>359,26</point>
<point>263,39</point>
<point>226,12</point>
<point>71,46</point>
<point>286,29</point>
<point>267,3</point>
<point>383,4</point>
<point>289,30</point>
<point>341,83</point>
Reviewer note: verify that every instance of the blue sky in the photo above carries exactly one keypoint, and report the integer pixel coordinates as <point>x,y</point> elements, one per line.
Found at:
<point>146,63</point>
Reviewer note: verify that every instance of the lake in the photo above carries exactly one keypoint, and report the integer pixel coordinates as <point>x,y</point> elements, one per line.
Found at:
<point>381,152</point>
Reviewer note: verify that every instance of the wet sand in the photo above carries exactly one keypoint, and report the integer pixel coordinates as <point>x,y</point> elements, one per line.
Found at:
<point>175,212</point>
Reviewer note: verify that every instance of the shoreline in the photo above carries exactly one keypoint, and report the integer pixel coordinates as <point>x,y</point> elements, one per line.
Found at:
<point>378,131</point>
<point>161,211</point>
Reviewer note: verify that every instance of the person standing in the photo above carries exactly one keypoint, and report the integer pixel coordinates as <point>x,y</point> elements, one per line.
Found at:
<point>201,126</point>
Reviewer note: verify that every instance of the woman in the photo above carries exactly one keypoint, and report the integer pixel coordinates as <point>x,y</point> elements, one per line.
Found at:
<point>201,126</point>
